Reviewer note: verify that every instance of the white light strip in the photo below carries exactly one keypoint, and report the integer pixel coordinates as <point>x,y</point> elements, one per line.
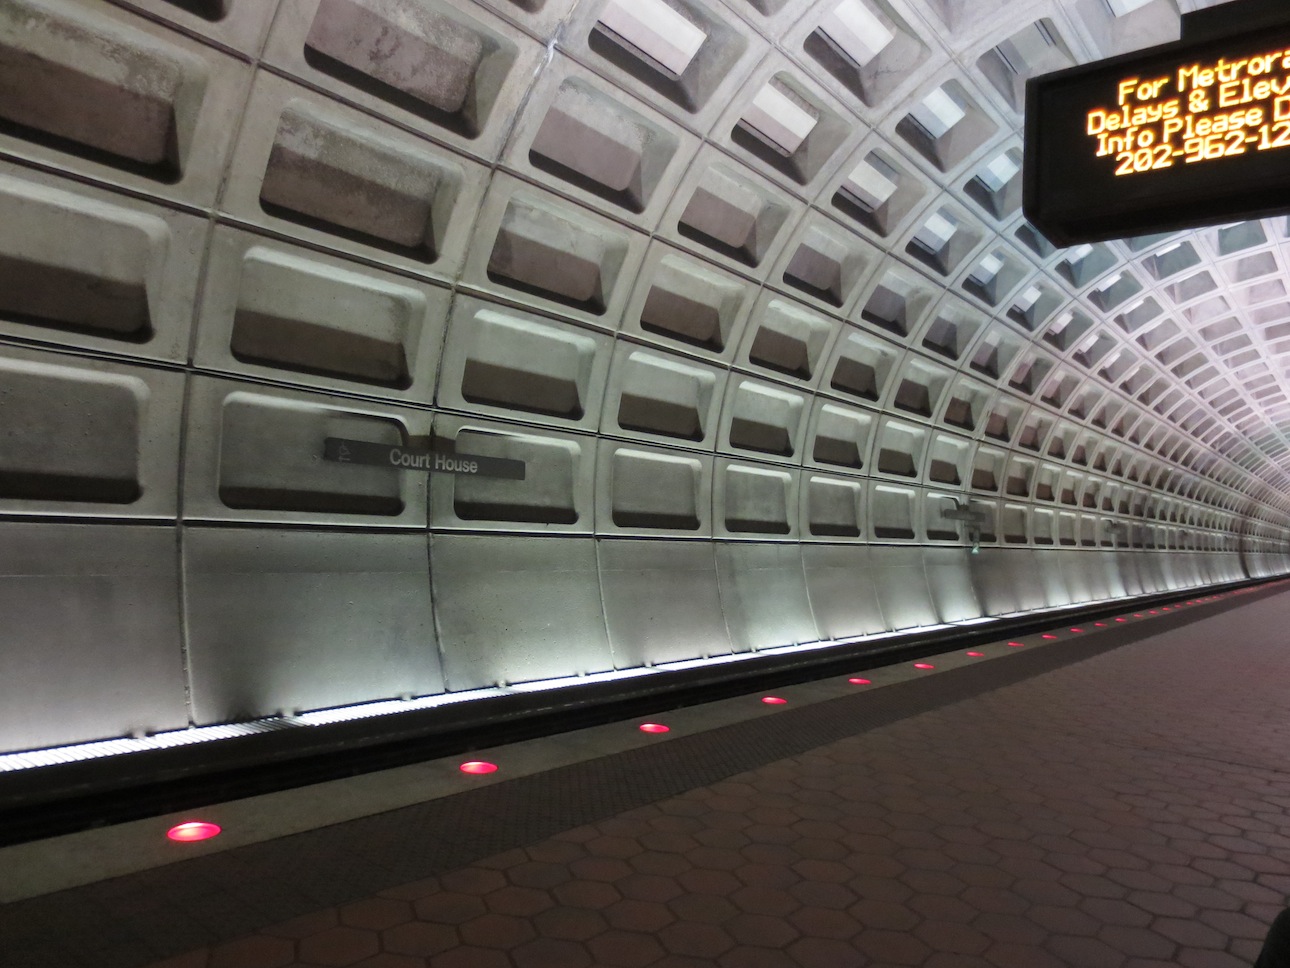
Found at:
<point>656,30</point>
<point>344,714</point>
<point>116,747</point>
<point>34,759</point>
<point>564,682</point>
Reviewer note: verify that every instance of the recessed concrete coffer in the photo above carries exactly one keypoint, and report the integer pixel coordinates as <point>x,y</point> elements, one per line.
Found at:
<point>677,48</point>
<point>1033,305</point>
<point>996,184</point>
<point>892,512</point>
<point>421,55</point>
<point>994,353</point>
<point>74,264</point>
<point>878,193</point>
<point>556,254</point>
<point>758,500</point>
<point>943,239</point>
<point>765,420</point>
<point>993,275</point>
<point>503,359</point>
<point>966,404</point>
<point>920,388</point>
<point>688,303</point>
<point>212,10</point>
<point>834,507</point>
<point>1003,419</point>
<point>293,314</point>
<point>946,126</point>
<point>591,140</point>
<point>547,495</point>
<point>789,128</point>
<point>1035,49</point>
<point>827,264</point>
<point>658,395</point>
<point>987,469</point>
<point>70,435</point>
<point>1013,520</point>
<point>948,461</point>
<point>268,459</point>
<point>901,448</point>
<point>732,217</point>
<point>842,437</point>
<point>81,83</point>
<point>789,340</point>
<point>347,180</point>
<point>897,302</point>
<point>655,491</point>
<point>862,366</point>
<point>951,330</point>
<point>866,47</point>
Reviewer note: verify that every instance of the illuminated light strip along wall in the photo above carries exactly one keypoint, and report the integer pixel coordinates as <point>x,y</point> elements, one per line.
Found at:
<point>36,759</point>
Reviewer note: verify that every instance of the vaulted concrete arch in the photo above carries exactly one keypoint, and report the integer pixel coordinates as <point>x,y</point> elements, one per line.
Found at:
<point>745,284</point>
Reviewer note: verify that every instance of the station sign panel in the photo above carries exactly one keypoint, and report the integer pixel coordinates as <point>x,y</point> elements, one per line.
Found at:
<point>1183,135</point>
<point>438,460</point>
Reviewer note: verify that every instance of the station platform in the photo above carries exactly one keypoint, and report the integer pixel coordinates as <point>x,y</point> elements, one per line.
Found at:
<point>1109,795</point>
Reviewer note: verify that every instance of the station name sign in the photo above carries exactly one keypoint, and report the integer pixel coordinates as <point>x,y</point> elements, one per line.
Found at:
<point>437,460</point>
<point>1182,135</point>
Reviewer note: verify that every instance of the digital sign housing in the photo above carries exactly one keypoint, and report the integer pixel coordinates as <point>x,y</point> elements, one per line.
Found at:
<point>1183,135</point>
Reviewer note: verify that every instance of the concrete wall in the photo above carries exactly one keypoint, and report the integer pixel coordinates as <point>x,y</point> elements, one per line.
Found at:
<point>752,325</point>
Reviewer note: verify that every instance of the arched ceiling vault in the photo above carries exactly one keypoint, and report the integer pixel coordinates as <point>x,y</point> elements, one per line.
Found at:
<point>745,283</point>
<point>859,159</point>
<point>785,231</point>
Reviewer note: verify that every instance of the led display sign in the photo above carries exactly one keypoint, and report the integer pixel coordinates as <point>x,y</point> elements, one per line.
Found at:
<point>1179,136</point>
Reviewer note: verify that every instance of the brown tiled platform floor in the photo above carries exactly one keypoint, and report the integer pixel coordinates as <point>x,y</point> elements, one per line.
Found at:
<point>1124,811</point>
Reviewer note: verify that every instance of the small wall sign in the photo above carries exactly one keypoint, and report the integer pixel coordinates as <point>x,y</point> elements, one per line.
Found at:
<point>436,461</point>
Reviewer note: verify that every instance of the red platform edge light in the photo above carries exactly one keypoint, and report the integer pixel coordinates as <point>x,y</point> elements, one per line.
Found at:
<point>193,830</point>
<point>857,681</point>
<point>1121,619</point>
<point>774,701</point>
<point>923,665</point>
<point>654,728</point>
<point>1077,630</point>
<point>478,767</point>
<point>1016,645</point>
<point>1047,635</point>
<point>976,655</point>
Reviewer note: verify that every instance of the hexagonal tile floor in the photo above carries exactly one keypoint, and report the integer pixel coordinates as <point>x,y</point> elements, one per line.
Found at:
<point>1125,811</point>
